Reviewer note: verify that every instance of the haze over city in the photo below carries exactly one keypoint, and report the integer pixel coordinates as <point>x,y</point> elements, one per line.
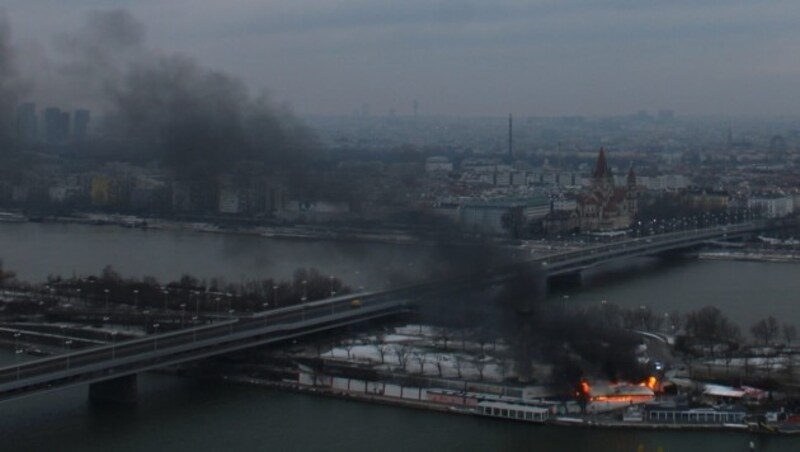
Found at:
<point>484,225</point>
<point>465,58</point>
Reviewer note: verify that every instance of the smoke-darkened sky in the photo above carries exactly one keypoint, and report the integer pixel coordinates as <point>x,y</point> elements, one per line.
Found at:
<point>473,57</point>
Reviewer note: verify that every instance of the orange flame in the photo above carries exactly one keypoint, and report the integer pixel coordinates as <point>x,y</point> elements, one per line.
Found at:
<point>622,398</point>
<point>650,383</point>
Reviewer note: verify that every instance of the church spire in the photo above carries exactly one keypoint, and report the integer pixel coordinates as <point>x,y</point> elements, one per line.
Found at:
<point>601,170</point>
<point>631,178</point>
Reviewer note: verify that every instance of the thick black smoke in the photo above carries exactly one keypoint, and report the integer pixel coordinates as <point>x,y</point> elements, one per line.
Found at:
<point>200,121</point>
<point>584,341</point>
<point>197,121</point>
<point>577,342</point>
<point>9,84</point>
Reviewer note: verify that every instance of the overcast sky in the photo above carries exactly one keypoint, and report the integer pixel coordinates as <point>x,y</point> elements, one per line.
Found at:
<point>475,57</point>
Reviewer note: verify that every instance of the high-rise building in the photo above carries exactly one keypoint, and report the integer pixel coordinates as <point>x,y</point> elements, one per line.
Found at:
<point>56,126</point>
<point>80,125</point>
<point>27,122</point>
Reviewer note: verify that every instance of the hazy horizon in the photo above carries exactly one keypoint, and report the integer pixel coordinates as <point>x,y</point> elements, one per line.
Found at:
<point>463,58</point>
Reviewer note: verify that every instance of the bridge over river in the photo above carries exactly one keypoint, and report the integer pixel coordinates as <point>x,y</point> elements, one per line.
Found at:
<point>111,369</point>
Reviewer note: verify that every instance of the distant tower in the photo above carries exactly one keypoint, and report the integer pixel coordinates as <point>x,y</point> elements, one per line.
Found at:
<point>415,106</point>
<point>631,195</point>
<point>56,125</point>
<point>80,126</point>
<point>631,180</point>
<point>602,177</point>
<point>730,137</point>
<point>510,137</point>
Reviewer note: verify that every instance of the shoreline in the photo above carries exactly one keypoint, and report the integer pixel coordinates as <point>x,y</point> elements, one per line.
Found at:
<point>560,421</point>
<point>784,257</point>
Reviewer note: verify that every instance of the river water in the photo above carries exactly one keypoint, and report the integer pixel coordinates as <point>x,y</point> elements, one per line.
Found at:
<point>177,414</point>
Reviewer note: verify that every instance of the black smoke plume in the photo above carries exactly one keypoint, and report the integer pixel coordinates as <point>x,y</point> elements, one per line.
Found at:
<point>10,86</point>
<point>578,342</point>
<point>197,121</point>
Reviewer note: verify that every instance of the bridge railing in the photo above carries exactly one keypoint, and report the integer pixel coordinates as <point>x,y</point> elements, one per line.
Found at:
<point>651,241</point>
<point>161,342</point>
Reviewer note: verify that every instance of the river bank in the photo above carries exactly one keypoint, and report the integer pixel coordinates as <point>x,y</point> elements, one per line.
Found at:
<point>588,422</point>
<point>303,232</point>
<point>753,255</point>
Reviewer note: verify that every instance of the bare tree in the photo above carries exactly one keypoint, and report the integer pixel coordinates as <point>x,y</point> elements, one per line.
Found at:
<point>401,352</point>
<point>480,365</point>
<point>766,330</point>
<point>789,333</point>
<point>421,359</point>
<point>348,347</point>
<point>709,326</point>
<point>439,359</point>
<point>443,335</point>
<point>748,368</point>
<point>5,276</point>
<point>383,349</point>
<point>458,363</point>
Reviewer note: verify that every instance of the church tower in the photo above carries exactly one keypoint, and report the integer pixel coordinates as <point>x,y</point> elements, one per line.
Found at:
<point>631,180</point>
<point>602,178</point>
<point>631,195</point>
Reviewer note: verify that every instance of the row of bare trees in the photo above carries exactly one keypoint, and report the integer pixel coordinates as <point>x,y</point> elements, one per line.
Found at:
<point>768,331</point>
<point>189,292</point>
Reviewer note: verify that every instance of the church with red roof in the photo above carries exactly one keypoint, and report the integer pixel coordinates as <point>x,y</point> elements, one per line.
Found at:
<point>603,206</point>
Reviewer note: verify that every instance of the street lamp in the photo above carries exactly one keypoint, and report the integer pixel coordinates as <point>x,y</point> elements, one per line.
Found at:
<point>643,308</point>
<point>67,343</point>
<point>136,299</point>
<point>113,345</point>
<point>183,313</point>
<point>333,292</point>
<point>166,294</point>
<point>17,350</point>
<point>106,292</point>
<point>275,295</point>
<point>155,335</point>
<point>305,291</point>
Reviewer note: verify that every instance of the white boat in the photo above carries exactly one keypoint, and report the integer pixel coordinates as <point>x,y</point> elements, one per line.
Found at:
<point>525,413</point>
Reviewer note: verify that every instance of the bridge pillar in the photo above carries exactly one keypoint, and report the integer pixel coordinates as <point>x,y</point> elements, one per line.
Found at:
<point>119,390</point>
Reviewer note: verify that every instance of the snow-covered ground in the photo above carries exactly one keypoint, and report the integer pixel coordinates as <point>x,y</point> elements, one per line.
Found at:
<point>422,350</point>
